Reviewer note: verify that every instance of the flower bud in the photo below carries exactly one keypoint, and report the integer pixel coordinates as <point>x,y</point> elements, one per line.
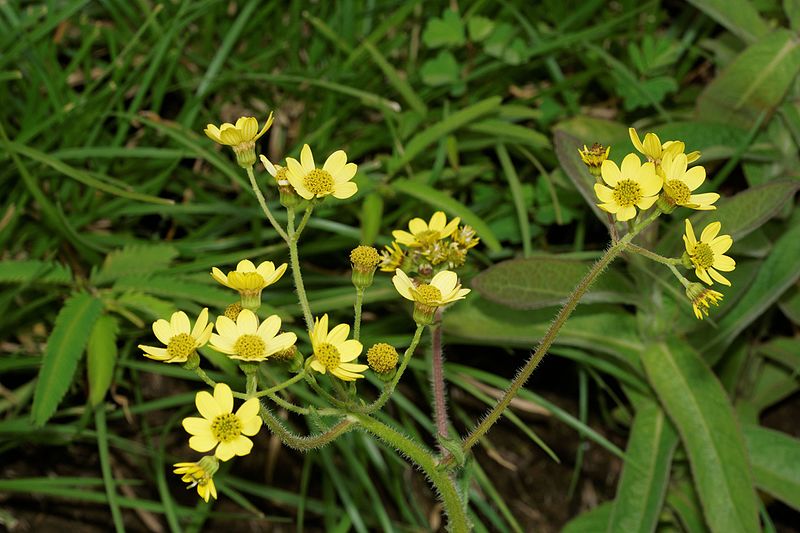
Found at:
<point>364,260</point>
<point>233,310</point>
<point>593,157</point>
<point>382,358</point>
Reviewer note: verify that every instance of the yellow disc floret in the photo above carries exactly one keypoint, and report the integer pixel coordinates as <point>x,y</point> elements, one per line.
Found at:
<point>233,310</point>
<point>427,294</point>
<point>627,193</point>
<point>181,346</point>
<point>226,427</point>
<point>250,347</point>
<point>678,191</point>
<point>382,357</point>
<point>328,355</point>
<point>319,182</point>
<point>365,257</point>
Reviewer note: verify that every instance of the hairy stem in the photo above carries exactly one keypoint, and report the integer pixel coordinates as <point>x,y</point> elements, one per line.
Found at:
<point>437,377</point>
<point>299,442</point>
<point>294,379</point>
<point>453,502</point>
<point>294,259</point>
<point>304,220</point>
<point>357,317</point>
<point>653,256</point>
<point>264,206</point>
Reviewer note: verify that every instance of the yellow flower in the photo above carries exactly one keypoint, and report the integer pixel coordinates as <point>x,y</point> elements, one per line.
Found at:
<point>702,299</point>
<point>334,352</point>
<point>655,151</point>
<point>332,179</point>
<point>707,254</point>
<point>180,338</point>
<point>421,233</point>
<point>593,157</point>
<point>246,340</point>
<point>392,257</point>
<point>634,185</point>
<point>443,289</point>
<point>241,136</point>
<point>250,280</point>
<point>220,427</point>
<point>679,183</point>
<point>200,475</point>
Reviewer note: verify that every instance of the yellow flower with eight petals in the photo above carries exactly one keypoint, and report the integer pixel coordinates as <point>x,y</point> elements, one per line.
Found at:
<point>246,340</point>
<point>680,183</point>
<point>241,136</point>
<point>180,338</point>
<point>707,254</point>
<point>220,427</point>
<point>334,352</point>
<point>332,179</point>
<point>200,475</point>
<point>655,151</point>
<point>443,289</point>
<point>634,185</point>
<point>423,233</point>
<point>250,280</point>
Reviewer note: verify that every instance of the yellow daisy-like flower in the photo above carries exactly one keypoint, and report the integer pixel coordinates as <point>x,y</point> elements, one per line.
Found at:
<point>241,136</point>
<point>593,157</point>
<point>334,352</point>
<point>702,299</point>
<point>443,289</point>
<point>200,475</point>
<point>392,257</point>
<point>655,151</point>
<point>423,233</point>
<point>631,186</point>
<point>707,254</point>
<point>180,339</point>
<point>332,179</point>
<point>680,183</point>
<point>220,427</point>
<point>250,280</point>
<point>246,340</point>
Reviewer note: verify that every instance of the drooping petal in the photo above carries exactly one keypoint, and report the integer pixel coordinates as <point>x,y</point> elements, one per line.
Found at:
<point>719,278</point>
<point>353,367</point>
<point>268,165</point>
<point>160,353</point>
<point>349,350</point>
<point>223,397</point>
<point>635,140</point>
<point>219,276</point>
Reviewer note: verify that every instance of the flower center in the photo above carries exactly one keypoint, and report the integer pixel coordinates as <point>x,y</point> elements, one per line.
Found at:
<point>678,191</point>
<point>382,357</point>
<point>365,257</point>
<point>319,182</point>
<point>627,193</point>
<point>280,176</point>
<point>181,346</point>
<point>226,427</point>
<point>328,355</point>
<point>427,237</point>
<point>250,347</point>
<point>703,255</point>
<point>428,295</point>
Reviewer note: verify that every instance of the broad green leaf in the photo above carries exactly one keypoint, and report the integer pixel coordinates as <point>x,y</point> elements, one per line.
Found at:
<point>778,272</point>
<point>544,281</point>
<point>772,384</point>
<point>714,140</point>
<point>445,31</point>
<point>371,216</point>
<point>699,407</point>
<point>640,494</point>
<point>65,347</point>
<point>135,260</point>
<point>50,272</point>
<point>783,350</point>
<point>775,457</point>
<point>441,70</point>
<point>434,133</point>
<point>590,130</point>
<point>790,305</point>
<point>591,521</point>
<point>443,201</point>
<point>755,83</point>
<point>683,500</point>
<point>738,16</point>
<point>101,357</point>
<point>792,10</point>
<point>739,215</point>
<point>479,28</point>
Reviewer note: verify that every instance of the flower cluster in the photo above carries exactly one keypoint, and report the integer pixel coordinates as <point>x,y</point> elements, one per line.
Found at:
<point>664,182</point>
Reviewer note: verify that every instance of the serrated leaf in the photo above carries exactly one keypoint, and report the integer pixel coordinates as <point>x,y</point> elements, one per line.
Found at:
<point>64,349</point>
<point>441,70</point>
<point>445,31</point>
<point>775,458</point>
<point>738,16</point>
<point>640,495</point>
<point>101,357</point>
<point>544,281</point>
<point>755,83</point>
<point>643,93</point>
<point>32,270</point>
<point>704,417</point>
<point>135,260</point>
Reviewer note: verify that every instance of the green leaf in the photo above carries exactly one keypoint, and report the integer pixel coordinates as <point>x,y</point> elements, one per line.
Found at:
<point>640,494</point>
<point>65,347</point>
<point>778,272</point>
<point>700,409</point>
<point>101,356</point>
<point>754,83</point>
<point>775,458</point>
<point>790,305</point>
<point>371,215</point>
<point>591,521</point>
<point>479,28</point>
<point>738,16</point>
<point>544,281</point>
<point>504,131</point>
<point>445,202</point>
<point>445,31</point>
<point>441,70</point>
<point>682,498</point>
<point>35,271</point>
<point>643,93</point>
<point>154,308</point>
<point>135,260</point>
<point>792,10</point>
<point>174,287</point>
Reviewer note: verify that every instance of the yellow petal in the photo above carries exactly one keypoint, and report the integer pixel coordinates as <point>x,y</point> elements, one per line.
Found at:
<point>269,328</point>
<point>719,278</point>
<point>160,353</point>
<point>202,443</point>
<point>197,426</point>
<point>710,232</point>
<point>162,330</point>
<point>724,263</point>
<point>180,323</point>
<point>646,202</point>
<point>635,140</point>
<point>268,165</point>
<point>346,173</point>
<point>604,194</point>
<point>403,284</point>
<point>206,405</point>
<point>703,275</point>
<point>691,240</point>
<point>652,146</point>
<point>626,213</point>
<point>349,350</point>
<point>248,410</point>
<point>438,221</point>
<point>223,397</point>
<point>404,237</point>
<point>225,451</point>
<point>338,334</point>
<point>251,426</point>
<point>344,190</point>
<point>417,225</point>
<point>316,365</point>
<point>219,276</point>
<point>630,167</point>
<point>227,328</point>
<point>694,177</point>
<point>650,182</point>
<point>247,322</point>
<point>307,158</point>
<point>721,244</point>
<point>610,172</point>
<point>450,227</point>
<point>445,281</point>
<point>200,325</point>
<point>335,162</point>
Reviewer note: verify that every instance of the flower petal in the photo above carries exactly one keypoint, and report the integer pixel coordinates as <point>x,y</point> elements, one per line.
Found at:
<point>635,140</point>
<point>604,194</point>
<point>280,342</point>
<point>268,165</point>
<point>180,323</point>
<point>206,405</point>
<point>247,322</point>
<point>338,334</point>
<point>225,451</point>
<point>650,182</point>
<point>724,263</point>
<point>721,244</point>
<point>200,325</point>
<point>163,330</point>
<point>417,225</point>
<point>251,426</point>
<point>346,173</point>
<point>610,172</point>
<point>307,158</point>
<point>269,328</point>
<point>445,281</point>
<point>694,177</point>
<point>438,221</point>
<point>403,284</point>
<point>626,213</point>
<point>719,278</point>
<point>349,350</point>
<point>646,202</point>
<point>202,443</point>
<point>335,162</point>
<point>248,410</point>
<point>227,328</point>
<point>711,231</point>
<point>404,237</point>
<point>690,239</point>
<point>630,167</point>
<point>223,397</point>
<point>703,275</point>
<point>197,426</point>
<point>344,190</point>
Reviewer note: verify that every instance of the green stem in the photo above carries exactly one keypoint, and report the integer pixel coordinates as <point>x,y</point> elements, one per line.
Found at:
<point>312,382</point>
<point>203,376</point>
<point>389,388</point>
<point>304,220</point>
<point>294,259</point>
<point>252,385</point>
<point>264,206</point>
<point>437,377</point>
<point>299,442</point>
<point>452,500</point>
<point>685,282</point>
<point>550,336</point>
<point>357,318</point>
<point>653,256</point>
<point>294,379</point>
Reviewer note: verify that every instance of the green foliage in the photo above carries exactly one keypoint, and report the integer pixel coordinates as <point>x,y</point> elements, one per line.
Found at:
<point>101,357</point>
<point>35,271</point>
<point>135,260</point>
